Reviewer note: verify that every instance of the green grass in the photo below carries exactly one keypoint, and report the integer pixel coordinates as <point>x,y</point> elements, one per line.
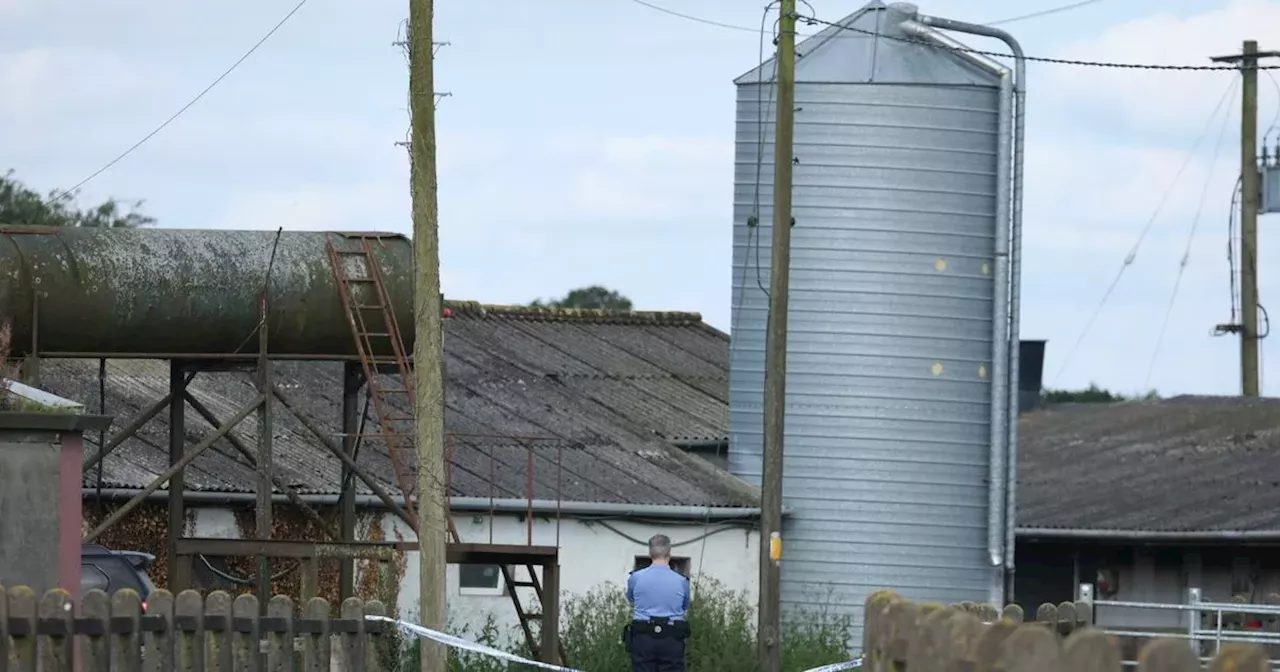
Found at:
<point>720,619</point>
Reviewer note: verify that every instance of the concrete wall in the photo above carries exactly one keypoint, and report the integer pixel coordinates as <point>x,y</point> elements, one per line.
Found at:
<point>592,554</point>
<point>30,472</point>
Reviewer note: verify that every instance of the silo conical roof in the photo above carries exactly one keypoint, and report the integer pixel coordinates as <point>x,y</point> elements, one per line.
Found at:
<point>870,46</point>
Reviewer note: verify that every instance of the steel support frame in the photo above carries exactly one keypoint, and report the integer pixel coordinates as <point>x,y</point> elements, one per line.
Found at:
<point>178,399</point>
<point>344,547</point>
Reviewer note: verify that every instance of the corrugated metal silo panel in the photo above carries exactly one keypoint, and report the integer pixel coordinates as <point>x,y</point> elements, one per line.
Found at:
<point>890,332</point>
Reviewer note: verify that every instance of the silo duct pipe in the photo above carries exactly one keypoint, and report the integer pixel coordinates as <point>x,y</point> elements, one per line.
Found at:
<point>1000,387</point>
<point>1015,262</point>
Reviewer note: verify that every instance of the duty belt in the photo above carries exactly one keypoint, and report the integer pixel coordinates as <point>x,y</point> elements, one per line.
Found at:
<point>661,627</point>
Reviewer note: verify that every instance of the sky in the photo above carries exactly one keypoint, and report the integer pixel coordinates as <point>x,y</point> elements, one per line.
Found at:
<point>590,142</point>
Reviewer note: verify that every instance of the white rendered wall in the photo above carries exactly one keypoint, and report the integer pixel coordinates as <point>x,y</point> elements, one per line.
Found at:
<point>590,555</point>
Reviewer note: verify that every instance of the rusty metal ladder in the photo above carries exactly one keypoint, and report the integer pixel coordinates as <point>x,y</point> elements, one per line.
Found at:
<point>372,318</point>
<point>527,617</point>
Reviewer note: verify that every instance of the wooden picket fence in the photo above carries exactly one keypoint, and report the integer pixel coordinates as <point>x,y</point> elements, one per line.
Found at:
<point>900,636</point>
<point>187,633</point>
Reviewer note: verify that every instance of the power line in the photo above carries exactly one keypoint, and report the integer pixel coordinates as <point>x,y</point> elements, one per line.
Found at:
<point>1044,12</point>
<point>690,17</point>
<point>186,107</point>
<point>1133,253</point>
<point>749,29</point>
<point>1186,253</point>
<point>1034,59</point>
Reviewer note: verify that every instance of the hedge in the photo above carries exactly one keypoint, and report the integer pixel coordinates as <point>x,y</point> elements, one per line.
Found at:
<point>721,621</point>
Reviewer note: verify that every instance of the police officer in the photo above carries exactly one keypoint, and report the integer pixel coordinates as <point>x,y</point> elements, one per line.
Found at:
<point>660,595</point>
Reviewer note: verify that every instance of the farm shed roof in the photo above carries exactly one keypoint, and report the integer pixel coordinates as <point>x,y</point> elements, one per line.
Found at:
<point>1185,464</point>
<point>619,390</point>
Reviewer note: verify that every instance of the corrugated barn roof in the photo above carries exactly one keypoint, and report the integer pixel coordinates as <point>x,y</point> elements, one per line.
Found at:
<point>1181,464</point>
<point>617,390</point>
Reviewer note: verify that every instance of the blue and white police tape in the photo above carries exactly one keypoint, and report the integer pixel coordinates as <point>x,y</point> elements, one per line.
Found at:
<point>838,667</point>
<point>409,629</point>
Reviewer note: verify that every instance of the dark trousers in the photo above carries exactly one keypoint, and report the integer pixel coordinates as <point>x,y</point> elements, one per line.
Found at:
<point>655,653</point>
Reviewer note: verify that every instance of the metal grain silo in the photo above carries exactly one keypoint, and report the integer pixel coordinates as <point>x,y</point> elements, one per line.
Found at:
<point>903,310</point>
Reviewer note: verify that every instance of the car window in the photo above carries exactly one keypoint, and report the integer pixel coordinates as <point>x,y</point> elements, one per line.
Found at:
<point>91,577</point>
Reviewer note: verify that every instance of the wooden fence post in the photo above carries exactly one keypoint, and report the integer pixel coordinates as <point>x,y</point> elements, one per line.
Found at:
<point>315,626</point>
<point>1013,613</point>
<point>126,647</point>
<point>1091,651</point>
<point>352,636</point>
<point>217,635</point>
<point>22,629</point>
<point>375,645</point>
<point>158,637</point>
<point>56,617</point>
<point>246,641</point>
<point>1066,619</point>
<point>1032,649</point>
<point>279,631</point>
<point>95,647</point>
<point>188,613</point>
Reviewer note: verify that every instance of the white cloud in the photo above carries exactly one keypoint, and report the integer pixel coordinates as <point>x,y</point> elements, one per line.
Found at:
<point>1176,101</point>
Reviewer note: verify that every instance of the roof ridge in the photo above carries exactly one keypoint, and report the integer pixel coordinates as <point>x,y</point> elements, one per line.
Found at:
<point>477,309</point>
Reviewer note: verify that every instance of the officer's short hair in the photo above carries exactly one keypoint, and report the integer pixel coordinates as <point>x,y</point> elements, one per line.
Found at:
<point>659,546</point>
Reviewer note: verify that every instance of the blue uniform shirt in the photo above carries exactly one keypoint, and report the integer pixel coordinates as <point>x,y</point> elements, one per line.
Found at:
<point>657,591</point>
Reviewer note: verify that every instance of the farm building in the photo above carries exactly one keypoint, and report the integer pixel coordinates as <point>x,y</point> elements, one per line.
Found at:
<point>1148,499</point>
<point>630,413</point>
<point>1151,497</point>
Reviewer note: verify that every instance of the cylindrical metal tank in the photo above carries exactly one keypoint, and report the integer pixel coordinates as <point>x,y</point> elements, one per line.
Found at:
<point>897,392</point>
<point>176,292</point>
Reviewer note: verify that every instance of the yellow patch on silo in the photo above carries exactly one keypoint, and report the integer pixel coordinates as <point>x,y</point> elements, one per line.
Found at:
<point>936,368</point>
<point>940,265</point>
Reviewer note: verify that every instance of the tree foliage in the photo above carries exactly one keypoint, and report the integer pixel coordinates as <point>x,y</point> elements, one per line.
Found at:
<point>21,206</point>
<point>595,297</point>
<point>1093,395</point>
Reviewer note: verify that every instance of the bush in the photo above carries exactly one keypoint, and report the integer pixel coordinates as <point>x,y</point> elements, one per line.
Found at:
<point>721,621</point>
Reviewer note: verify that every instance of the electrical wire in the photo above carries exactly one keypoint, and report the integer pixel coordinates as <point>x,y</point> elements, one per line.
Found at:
<point>1137,245</point>
<point>707,532</point>
<point>1044,12</point>
<point>748,29</point>
<point>690,17</point>
<point>1191,235</point>
<point>184,108</point>
<point>1231,258</point>
<point>1114,65</point>
<point>1275,121</point>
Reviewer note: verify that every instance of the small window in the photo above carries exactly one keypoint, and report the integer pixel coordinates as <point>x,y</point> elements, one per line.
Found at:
<point>681,565</point>
<point>480,580</point>
<point>92,577</point>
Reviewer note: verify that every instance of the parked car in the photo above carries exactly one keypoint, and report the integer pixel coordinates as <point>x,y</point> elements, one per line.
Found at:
<point>109,571</point>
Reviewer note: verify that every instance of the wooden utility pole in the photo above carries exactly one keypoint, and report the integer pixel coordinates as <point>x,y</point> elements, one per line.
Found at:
<point>428,349</point>
<point>775,357</point>
<point>1248,60</point>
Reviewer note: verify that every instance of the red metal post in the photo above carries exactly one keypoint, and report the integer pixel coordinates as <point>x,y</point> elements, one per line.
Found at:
<point>529,499</point>
<point>491,505</point>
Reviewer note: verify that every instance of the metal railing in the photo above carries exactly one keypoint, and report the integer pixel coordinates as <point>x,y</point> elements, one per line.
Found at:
<point>1206,641</point>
